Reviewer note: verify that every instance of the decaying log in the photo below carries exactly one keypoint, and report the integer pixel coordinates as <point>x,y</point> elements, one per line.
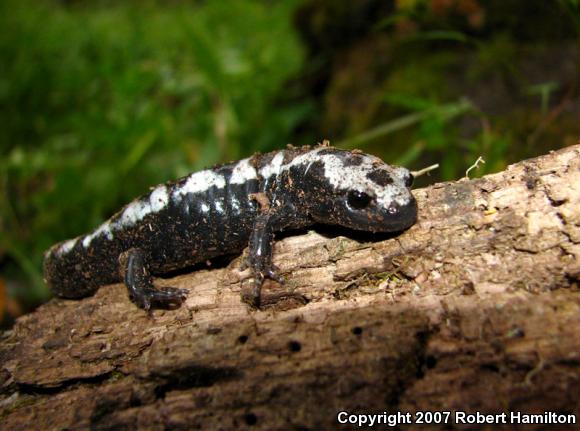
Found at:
<point>475,308</point>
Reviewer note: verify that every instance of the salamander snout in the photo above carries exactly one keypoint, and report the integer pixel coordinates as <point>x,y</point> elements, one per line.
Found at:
<point>390,212</point>
<point>384,202</point>
<point>403,216</point>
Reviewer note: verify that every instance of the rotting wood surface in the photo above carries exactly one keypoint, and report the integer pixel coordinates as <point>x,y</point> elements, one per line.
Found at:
<point>475,308</point>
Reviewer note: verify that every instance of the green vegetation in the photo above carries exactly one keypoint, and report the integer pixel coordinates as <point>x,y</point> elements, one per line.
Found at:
<point>457,80</point>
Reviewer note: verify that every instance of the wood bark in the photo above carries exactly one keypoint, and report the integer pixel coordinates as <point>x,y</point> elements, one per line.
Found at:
<point>475,308</point>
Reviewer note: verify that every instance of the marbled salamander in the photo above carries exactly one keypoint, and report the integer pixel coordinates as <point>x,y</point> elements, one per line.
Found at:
<point>220,211</point>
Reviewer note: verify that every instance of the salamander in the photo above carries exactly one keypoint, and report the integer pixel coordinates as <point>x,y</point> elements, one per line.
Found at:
<point>222,210</point>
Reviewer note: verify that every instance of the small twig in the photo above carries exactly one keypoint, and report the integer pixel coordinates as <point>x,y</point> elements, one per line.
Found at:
<point>474,166</point>
<point>539,367</point>
<point>424,170</point>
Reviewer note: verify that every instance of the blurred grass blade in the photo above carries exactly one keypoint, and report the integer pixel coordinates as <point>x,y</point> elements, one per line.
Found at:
<point>383,129</point>
<point>444,112</point>
<point>138,150</point>
<point>454,36</point>
<point>411,154</point>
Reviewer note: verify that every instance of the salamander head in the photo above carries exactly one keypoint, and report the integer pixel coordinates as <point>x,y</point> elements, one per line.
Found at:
<point>355,190</point>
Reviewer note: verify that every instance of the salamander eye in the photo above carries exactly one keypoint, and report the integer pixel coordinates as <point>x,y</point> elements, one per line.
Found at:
<point>358,200</point>
<point>409,180</point>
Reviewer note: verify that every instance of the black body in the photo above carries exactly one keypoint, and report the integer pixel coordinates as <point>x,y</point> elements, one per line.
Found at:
<point>222,210</point>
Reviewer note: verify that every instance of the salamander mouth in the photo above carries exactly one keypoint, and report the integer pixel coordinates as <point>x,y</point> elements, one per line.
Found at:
<point>396,218</point>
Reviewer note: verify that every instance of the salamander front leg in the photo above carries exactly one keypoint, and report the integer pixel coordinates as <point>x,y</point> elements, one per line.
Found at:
<point>140,283</point>
<point>260,256</point>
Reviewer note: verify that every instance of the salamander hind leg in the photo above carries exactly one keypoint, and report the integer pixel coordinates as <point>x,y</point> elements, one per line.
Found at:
<point>134,270</point>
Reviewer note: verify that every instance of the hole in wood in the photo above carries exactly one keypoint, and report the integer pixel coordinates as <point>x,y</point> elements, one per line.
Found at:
<point>294,346</point>
<point>251,419</point>
<point>430,361</point>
